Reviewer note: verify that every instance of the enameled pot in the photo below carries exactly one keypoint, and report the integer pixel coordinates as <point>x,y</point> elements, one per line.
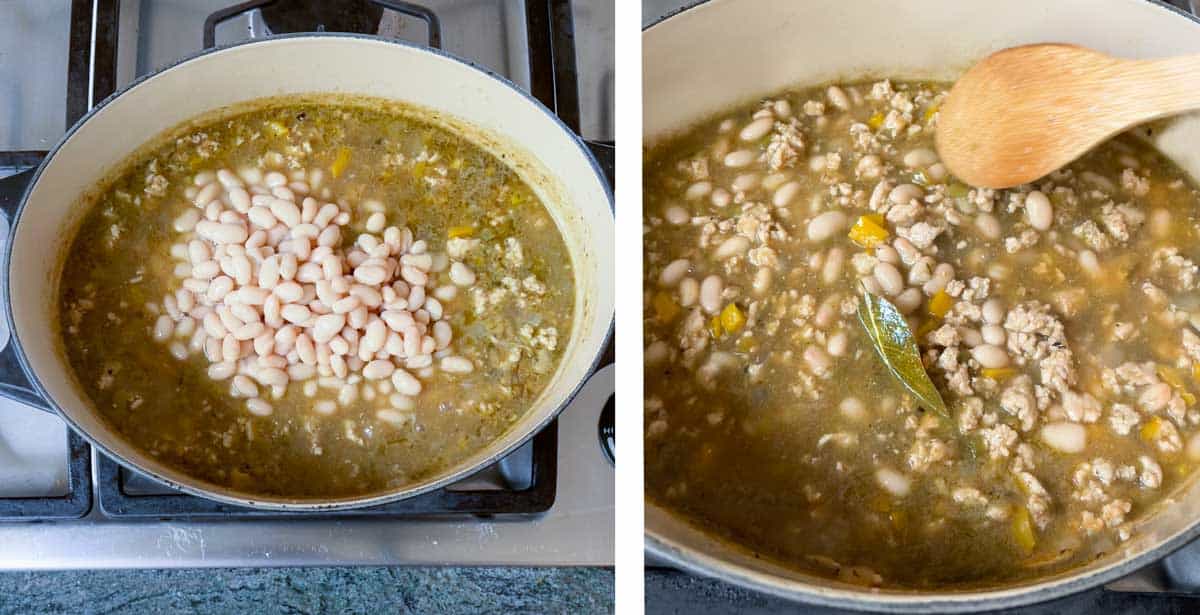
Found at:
<point>697,63</point>
<point>479,105</point>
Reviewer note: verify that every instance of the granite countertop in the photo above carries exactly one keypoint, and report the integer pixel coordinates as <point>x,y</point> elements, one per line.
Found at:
<point>670,592</point>
<point>266,591</point>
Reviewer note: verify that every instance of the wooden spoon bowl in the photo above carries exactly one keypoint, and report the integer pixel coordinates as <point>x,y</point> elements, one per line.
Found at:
<point>1024,112</point>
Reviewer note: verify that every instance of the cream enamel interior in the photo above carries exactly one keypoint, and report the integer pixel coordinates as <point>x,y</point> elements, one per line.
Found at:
<point>502,121</point>
<point>696,65</point>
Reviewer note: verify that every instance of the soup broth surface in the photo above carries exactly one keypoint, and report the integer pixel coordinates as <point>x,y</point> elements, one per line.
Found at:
<point>337,428</point>
<point>1058,321</point>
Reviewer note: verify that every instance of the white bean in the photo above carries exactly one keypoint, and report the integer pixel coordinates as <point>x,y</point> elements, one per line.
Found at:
<point>826,225</point>
<point>739,158</point>
<point>163,328</point>
<point>676,215</point>
<point>837,97</point>
<point>993,312</point>
<point>920,158</point>
<point>818,360</point>
<point>456,365</point>
<point>1039,210</point>
<point>258,407</point>
<point>853,408</point>
<point>734,246</point>
<point>908,301</point>
<point>1065,437</point>
<point>378,369</point>
<point>710,293</point>
<point>207,194</point>
<point>187,221</point>
<point>837,343</point>
<point>893,482</point>
<point>689,292</point>
<point>221,371</point>
<point>993,334</point>
<point>889,278</point>
<point>988,225</point>
<point>784,194</point>
<point>887,254</point>
<point>243,387</point>
<point>327,326</point>
<point>757,129</point>
<point>990,356</point>
<point>221,233</point>
<point>905,193</point>
<point>405,383</point>
<point>720,197</point>
<point>832,269</point>
<point>697,191</point>
<point>461,275</point>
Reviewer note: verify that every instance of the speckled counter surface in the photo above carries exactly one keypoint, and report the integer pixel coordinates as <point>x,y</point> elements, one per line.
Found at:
<point>674,592</point>
<point>376,591</point>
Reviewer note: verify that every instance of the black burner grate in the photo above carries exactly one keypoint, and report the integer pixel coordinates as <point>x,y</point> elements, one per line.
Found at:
<point>117,499</point>
<point>92,77</point>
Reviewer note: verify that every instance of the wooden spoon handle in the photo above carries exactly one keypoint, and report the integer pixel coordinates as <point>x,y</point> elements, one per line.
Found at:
<point>1164,87</point>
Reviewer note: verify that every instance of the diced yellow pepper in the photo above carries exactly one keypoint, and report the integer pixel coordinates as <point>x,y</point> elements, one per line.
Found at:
<point>340,162</point>
<point>940,304</point>
<point>867,232</point>
<point>876,121</point>
<point>877,219</point>
<point>1022,529</point>
<point>277,127</point>
<point>1196,371</point>
<point>458,232</point>
<point>929,113</point>
<point>732,319</point>
<point>1151,429</point>
<point>665,307</point>
<point>714,327</point>
<point>1170,376</point>
<point>999,374</point>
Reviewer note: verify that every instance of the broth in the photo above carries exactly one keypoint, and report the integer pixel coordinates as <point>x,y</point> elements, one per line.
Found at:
<point>340,427</point>
<point>1058,321</point>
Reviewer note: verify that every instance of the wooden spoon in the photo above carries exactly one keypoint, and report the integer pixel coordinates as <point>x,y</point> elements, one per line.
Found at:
<point>1024,112</point>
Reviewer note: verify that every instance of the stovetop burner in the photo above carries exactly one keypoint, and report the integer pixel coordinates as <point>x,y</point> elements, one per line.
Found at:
<point>524,483</point>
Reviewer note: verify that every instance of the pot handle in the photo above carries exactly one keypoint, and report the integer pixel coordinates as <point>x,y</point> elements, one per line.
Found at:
<point>432,24</point>
<point>605,153</point>
<point>14,383</point>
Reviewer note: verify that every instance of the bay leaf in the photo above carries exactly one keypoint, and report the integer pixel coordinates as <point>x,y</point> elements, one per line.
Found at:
<point>897,348</point>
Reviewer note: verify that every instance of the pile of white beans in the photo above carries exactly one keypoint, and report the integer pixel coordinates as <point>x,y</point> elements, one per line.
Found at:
<point>270,297</point>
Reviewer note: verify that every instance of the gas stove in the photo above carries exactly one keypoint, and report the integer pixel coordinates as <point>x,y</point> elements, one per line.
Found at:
<point>65,505</point>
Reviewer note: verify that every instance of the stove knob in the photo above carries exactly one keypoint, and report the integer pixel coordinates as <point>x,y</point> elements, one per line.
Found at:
<point>608,429</point>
